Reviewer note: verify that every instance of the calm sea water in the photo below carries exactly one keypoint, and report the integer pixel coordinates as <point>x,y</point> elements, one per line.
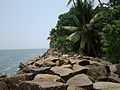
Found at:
<point>10,59</point>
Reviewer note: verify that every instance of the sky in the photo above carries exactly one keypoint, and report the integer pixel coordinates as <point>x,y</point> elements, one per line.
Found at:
<point>25,24</point>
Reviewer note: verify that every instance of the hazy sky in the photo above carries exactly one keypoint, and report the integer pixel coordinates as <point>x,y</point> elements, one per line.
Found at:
<point>26,23</point>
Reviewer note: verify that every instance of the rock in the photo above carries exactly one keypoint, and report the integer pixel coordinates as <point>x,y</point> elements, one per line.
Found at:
<point>52,52</point>
<point>105,85</point>
<point>113,68</point>
<point>80,80</point>
<point>114,75</point>
<point>86,57</point>
<point>109,79</point>
<point>104,62</point>
<point>75,55</point>
<point>97,71</point>
<point>53,59</point>
<point>65,55</point>
<point>26,69</point>
<point>114,79</point>
<point>95,63</point>
<point>42,85</point>
<point>28,85</point>
<point>67,66</point>
<point>3,86</point>
<point>16,78</point>
<point>75,88</point>
<point>84,62</point>
<point>79,56</point>
<point>49,63</point>
<point>74,61</point>
<point>117,69</point>
<point>47,77</point>
<point>79,69</point>
<point>36,70</point>
<point>39,63</point>
<point>102,78</point>
<point>13,82</point>
<point>115,88</point>
<point>67,61</point>
<point>25,76</point>
<point>65,73</point>
<point>79,88</point>
<point>40,70</point>
<point>60,62</point>
<point>31,62</point>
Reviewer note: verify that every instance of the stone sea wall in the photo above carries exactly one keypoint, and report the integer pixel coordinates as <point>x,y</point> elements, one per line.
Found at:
<point>57,71</point>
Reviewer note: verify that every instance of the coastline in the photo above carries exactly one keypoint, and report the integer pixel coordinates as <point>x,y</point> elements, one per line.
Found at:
<point>56,71</point>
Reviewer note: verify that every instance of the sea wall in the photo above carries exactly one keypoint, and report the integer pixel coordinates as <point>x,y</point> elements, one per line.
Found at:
<point>57,71</point>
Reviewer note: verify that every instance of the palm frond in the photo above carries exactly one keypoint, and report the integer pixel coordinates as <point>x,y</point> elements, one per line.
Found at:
<point>76,20</point>
<point>74,37</point>
<point>71,28</point>
<point>94,18</point>
<point>69,2</point>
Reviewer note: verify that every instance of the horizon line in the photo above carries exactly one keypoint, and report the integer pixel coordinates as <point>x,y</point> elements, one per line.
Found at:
<point>21,48</point>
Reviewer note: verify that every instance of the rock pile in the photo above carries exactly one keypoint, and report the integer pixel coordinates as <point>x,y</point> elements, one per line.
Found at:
<point>57,71</point>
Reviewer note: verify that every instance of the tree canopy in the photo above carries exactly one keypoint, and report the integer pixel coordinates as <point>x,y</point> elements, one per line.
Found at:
<point>89,31</point>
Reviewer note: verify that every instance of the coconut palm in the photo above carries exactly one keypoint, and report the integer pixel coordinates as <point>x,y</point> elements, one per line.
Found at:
<point>84,34</point>
<point>73,1</point>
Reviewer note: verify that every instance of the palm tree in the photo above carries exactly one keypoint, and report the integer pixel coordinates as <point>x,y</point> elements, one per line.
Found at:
<point>73,1</point>
<point>84,34</point>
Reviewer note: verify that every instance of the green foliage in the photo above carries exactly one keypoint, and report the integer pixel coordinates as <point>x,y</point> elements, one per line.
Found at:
<point>114,2</point>
<point>58,40</point>
<point>93,32</point>
<point>112,35</point>
<point>112,41</point>
<point>75,29</point>
<point>66,19</point>
<point>58,35</point>
<point>108,23</point>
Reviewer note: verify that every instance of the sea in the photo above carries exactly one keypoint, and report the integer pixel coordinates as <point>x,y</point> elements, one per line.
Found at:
<point>10,59</point>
